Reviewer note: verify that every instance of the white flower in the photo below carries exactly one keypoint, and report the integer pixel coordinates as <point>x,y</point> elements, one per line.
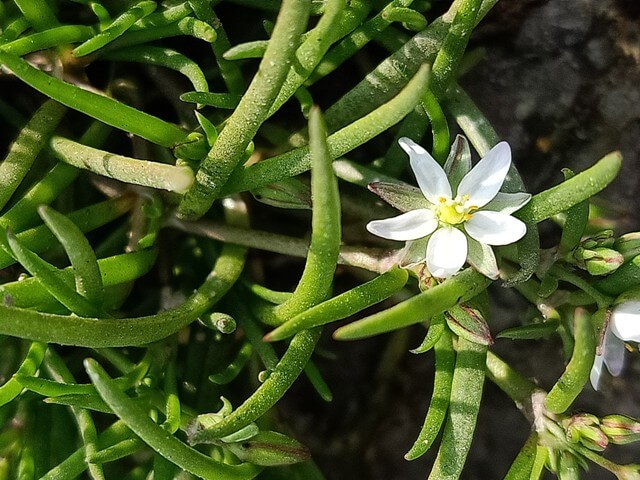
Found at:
<point>624,326</point>
<point>461,225</point>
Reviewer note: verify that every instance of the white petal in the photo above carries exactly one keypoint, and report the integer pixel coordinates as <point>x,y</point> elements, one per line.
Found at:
<point>483,182</point>
<point>613,353</point>
<point>430,176</point>
<point>596,372</point>
<point>625,321</point>
<point>495,228</point>
<point>446,252</point>
<point>408,226</point>
<point>508,202</point>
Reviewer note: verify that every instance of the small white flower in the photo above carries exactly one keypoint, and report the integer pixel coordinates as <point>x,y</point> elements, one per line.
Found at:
<point>461,225</point>
<point>624,326</point>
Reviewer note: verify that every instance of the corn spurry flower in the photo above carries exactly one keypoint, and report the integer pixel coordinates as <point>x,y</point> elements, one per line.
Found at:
<point>459,211</point>
<point>624,326</point>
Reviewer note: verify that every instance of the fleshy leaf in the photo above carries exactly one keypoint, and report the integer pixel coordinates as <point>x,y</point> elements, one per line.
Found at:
<point>530,332</point>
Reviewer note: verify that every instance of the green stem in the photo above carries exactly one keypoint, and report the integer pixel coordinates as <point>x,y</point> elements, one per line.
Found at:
<point>373,259</point>
<point>517,387</point>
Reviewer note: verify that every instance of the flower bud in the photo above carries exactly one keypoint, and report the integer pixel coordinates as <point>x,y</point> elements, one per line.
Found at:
<point>468,323</point>
<point>628,245</point>
<point>598,261</point>
<point>584,428</point>
<point>621,429</point>
<point>270,449</point>
<point>603,239</point>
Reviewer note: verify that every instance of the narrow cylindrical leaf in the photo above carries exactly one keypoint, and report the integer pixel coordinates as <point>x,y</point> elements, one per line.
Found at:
<point>119,25</point>
<point>82,257</point>
<point>153,435</point>
<point>437,327</point>
<point>445,363</point>
<point>12,388</point>
<point>464,404</point>
<point>218,100</point>
<point>341,142</point>
<point>271,390</point>
<point>108,332</point>
<point>523,464</point>
<point>130,170</point>
<point>576,374</point>
<point>235,367</point>
<point>460,288</point>
<point>343,305</point>
<point>164,57</point>
<point>530,332</point>
<point>322,258</point>
<point>101,108</point>
<point>50,278</point>
<point>29,292</point>
<point>24,150</point>
<point>53,37</point>
<point>576,222</point>
<point>252,110</point>
<point>571,192</point>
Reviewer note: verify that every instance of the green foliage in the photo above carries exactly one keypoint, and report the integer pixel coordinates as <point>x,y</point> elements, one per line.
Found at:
<point>115,242</point>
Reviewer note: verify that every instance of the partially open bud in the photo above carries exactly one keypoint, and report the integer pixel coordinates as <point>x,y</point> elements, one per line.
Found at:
<point>628,245</point>
<point>584,428</point>
<point>598,261</point>
<point>604,239</point>
<point>621,429</point>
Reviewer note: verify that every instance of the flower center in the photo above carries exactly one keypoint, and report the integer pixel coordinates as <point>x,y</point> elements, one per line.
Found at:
<point>454,212</point>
